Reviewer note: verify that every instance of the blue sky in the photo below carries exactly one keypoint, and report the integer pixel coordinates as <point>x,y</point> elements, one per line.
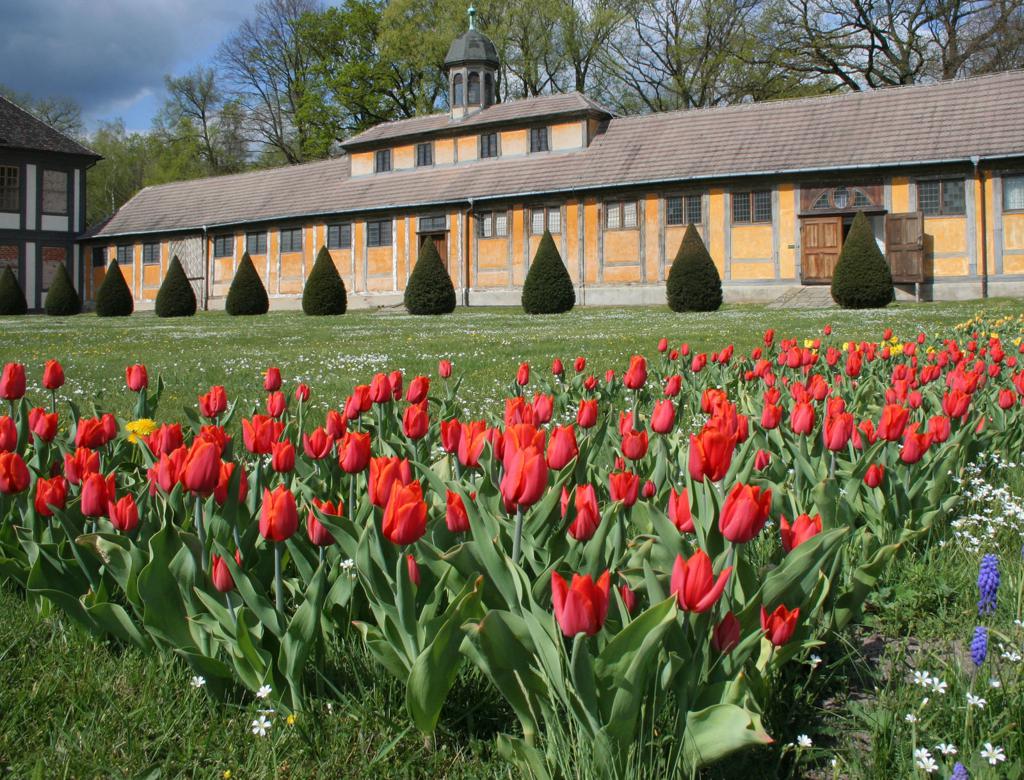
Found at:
<point>110,55</point>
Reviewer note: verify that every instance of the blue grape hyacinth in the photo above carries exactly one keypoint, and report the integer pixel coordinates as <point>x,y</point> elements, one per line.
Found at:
<point>979,645</point>
<point>959,772</point>
<point>988,584</point>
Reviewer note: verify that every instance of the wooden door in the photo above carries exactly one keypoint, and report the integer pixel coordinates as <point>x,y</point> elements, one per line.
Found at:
<point>904,246</point>
<point>440,242</point>
<point>189,251</point>
<point>821,239</point>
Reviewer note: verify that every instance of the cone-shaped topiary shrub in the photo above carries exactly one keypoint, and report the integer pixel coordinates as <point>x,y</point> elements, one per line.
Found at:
<point>693,280</point>
<point>176,297</point>
<point>548,288</point>
<point>114,298</point>
<point>324,292</point>
<point>247,295</point>
<point>62,299</point>
<point>430,289</point>
<point>12,299</point>
<point>862,279</point>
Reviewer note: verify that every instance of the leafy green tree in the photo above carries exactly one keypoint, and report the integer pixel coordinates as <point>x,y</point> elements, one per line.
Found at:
<point>430,289</point>
<point>247,295</point>
<point>693,282</point>
<point>62,299</point>
<point>548,287</point>
<point>176,297</point>
<point>324,292</point>
<point>114,297</point>
<point>12,297</point>
<point>862,279</point>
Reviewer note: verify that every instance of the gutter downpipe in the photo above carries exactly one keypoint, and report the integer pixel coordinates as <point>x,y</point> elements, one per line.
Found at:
<point>984,227</point>
<point>206,270</point>
<point>465,256</point>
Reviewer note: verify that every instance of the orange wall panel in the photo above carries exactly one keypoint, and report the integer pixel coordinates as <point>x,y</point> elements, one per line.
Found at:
<point>621,246</point>
<point>628,274</point>
<point>568,135</point>
<point>362,163</point>
<point>468,145</point>
<point>444,151</point>
<point>591,225</point>
<point>513,142</point>
<point>492,253</point>
<point>651,237</point>
<point>572,241</point>
<point>1013,232</point>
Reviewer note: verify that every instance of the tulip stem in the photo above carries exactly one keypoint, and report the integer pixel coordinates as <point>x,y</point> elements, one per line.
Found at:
<point>227,598</point>
<point>352,495</point>
<point>517,540</point>
<point>278,588</point>
<point>322,555</point>
<point>201,531</point>
<point>53,400</point>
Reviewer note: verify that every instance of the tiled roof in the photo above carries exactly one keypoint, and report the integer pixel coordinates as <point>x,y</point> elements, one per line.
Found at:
<point>20,130</point>
<point>945,122</point>
<point>508,113</point>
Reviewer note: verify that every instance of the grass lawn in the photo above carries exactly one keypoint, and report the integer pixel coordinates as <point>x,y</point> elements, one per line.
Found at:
<point>73,707</point>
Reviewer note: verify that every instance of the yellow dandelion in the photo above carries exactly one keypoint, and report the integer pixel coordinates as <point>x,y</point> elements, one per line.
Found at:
<point>226,774</point>
<point>137,428</point>
<point>290,720</point>
<point>808,343</point>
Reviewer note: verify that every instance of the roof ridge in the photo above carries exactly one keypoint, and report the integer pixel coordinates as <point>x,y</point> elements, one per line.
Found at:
<point>243,174</point>
<point>845,95</point>
<point>47,125</point>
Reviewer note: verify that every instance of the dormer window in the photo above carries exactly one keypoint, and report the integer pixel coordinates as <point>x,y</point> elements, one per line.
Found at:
<point>489,145</point>
<point>473,90</point>
<point>457,87</point>
<point>424,154</point>
<point>538,139</point>
<point>382,161</point>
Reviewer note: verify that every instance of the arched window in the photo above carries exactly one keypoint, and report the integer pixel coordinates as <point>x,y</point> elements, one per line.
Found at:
<point>488,89</point>
<point>473,90</point>
<point>457,90</point>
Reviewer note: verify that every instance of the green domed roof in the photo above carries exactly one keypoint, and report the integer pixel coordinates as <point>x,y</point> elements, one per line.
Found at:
<point>471,46</point>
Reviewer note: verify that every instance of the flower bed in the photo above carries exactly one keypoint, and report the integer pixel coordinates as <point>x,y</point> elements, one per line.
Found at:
<point>619,555</point>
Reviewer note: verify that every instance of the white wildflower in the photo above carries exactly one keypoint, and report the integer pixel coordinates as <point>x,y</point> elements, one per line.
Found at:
<point>197,681</point>
<point>804,741</point>
<point>993,754</point>
<point>976,701</point>
<point>946,749</point>
<point>264,692</point>
<point>261,726</point>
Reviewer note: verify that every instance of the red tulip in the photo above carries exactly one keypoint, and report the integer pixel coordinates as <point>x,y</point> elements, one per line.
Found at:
<point>471,443</point>
<point>525,480</point>
<point>915,444</point>
<point>634,444</point>
<point>543,407</point>
<point>586,417</point>
<point>216,435</point>
<point>168,471</point>
<point>166,438</point>
<point>385,475</point>
<point>801,419</point>
<point>587,516</point>
<point>419,388</point>
<point>318,444</point>
<point>405,517</point>
<point>9,433</point>
<point>336,424</point>
<point>663,419</point>
<point>694,584</point>
<point>201,470</point>
<point>395,379</point>
<point>14,476</point>
<point>673,385</point>
<point>744,513</point>
<point>416,420</point>
<point>874,475</point>
<point>624,486</point>
<point>317,531</point>
<point>523,374</point>
<point>227,470</point>
<point>780,625</point>
<point>628,598</point>
<point>1007,398</point>
<point>562,447</point>
<point>53,375</point>
<point>272,379</point>
<point>123,514</point>
<point>802,529</point>
<point>518,411</point>
<point>580,608</point>
<point>837,430</point>
<point>726,634</point>
<point>557,369</point>
<point>214,402</point>
<point>679,510</point>
<point>413,570</point>
<point>451,433</point>
<point>260,433</point>
<point>710,454</point>
<point>579,364</point>
<point>456,517</point>
<point>96,493</point>
<point>89,433</point>
<point>444,368</point>
<point>51,492</point>
<point>354,452</point>
<point>136,378</point>
<point>83,462</point>
<point>41,423</point>
<point>282,457</point>
<point>636,376</point>
<point>894,420</point>
<point>762,459</point>
<point>302,392</point>
<point>276,404</point>
<point>279,517</point>
<point>12,382</point>
<point>380,389</point>
<point>939,428</point>
<point>220,575</point>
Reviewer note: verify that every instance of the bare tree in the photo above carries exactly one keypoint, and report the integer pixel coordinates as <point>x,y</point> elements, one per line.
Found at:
<point>196,106</point>
<point>60,113</point>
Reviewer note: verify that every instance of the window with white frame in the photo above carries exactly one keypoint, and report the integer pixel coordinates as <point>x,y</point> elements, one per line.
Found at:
<point>492,224</point>
<point>1013,193</point>
<point>751,207</point>
<point>941,197</point>
<point>683,210</point>
<point>621,215</point>
<point>545,217</point>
